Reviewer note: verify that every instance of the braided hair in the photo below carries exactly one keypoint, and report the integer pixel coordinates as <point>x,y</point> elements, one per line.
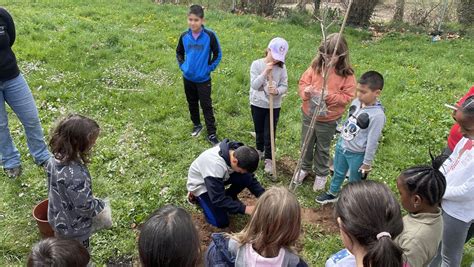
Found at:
<point>426,181</point>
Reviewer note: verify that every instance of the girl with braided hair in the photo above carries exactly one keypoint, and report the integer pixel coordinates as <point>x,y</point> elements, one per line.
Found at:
<point>421,189</point>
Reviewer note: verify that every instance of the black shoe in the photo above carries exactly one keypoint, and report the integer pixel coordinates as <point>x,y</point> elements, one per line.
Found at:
<point>326,198</point>
<point>196,130</point>
<point>13,172</point>
<point>212,138</point>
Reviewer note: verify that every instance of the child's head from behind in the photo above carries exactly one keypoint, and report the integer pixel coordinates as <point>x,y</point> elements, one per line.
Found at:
<point>169,238</point>
<point>244,159</point>
<point>195,17</point>
<point>422,187</point>
<point>464,116</point>
<point>369,218</point>
<point>73,138</point>
<point>369,87</point>
<point>54,252</point>
<point>341,61</point>
<point>275,222</point>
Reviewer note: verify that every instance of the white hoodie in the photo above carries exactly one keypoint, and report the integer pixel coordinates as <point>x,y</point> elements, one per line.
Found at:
<point>458,200</point>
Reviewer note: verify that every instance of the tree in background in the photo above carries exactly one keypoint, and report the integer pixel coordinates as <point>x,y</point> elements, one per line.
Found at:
<point>361,12</point>
<point>317,4</point>
<point>466,12</point>
<point>399,10</point>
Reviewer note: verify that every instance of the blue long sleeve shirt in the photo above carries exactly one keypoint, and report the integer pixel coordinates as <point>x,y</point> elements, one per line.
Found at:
<point>197,58</point>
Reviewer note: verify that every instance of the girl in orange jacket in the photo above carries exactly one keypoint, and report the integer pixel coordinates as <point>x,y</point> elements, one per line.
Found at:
<point>340,90</point>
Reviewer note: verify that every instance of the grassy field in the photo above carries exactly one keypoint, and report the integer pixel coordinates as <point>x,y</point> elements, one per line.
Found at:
<point>115,61</point>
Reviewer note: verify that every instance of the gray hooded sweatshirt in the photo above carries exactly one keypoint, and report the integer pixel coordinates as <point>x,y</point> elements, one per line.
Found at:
<point>258,84</point>
<point>358,140</point>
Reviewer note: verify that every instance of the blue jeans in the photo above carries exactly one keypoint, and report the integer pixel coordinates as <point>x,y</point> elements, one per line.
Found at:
<point>345,160</point>
<point>17,95</point>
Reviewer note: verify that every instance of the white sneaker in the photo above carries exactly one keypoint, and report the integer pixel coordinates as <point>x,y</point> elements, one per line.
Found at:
<point>261,155</point>
<point>268,166</point>
<point>303,174</point>
<point>319,183</point>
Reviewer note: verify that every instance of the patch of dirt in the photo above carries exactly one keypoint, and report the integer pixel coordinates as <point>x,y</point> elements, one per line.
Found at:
<point>322,216</point>
<point>286,166</point>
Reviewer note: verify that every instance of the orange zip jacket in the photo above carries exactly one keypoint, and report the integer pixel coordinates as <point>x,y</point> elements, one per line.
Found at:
<point>340,92</point>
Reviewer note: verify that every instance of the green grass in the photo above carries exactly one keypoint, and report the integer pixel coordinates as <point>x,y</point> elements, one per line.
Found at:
<point>115,61</point>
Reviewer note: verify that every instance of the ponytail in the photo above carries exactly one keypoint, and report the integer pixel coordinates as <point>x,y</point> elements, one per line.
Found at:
<point>427,181</point>
<point>375,232</point>
<point>383,252</point>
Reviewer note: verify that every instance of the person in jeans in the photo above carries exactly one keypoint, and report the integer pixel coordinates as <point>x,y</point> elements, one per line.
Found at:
<point>458,200</point>
<point>15,91</point>
<point>360,134</point>
<point>260,90</point>
<point>198,54</point>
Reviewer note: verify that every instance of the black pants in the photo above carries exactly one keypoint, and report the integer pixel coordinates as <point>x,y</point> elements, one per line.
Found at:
<point>200,93</point>
<point>261,122</point>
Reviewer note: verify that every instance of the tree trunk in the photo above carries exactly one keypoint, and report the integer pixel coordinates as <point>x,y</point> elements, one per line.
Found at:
<point>317,4</point>
<point>361,12</point>
<point>399,11</point>
<point>301,5</point>
<point>466,12</point>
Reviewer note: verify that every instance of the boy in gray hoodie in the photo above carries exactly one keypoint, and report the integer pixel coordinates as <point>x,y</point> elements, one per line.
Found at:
<point>360,134</point>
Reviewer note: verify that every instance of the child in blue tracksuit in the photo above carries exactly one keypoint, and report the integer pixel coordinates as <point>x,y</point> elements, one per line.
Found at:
<point>230,163</point>
<point>198,54</point>
<point>360,134</point>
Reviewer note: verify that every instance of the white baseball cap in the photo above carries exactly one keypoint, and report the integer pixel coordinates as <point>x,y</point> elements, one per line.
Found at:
<point>279,48</point>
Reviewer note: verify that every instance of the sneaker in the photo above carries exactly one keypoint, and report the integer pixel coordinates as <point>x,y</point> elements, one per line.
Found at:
<point>261,155</point>
<point>319,183</point>
<point>268,166</point>
<point>196,130</point>
<point>299,180</point>
<point>212,138</point>
<point>326,198</point>
<point>13,172</point>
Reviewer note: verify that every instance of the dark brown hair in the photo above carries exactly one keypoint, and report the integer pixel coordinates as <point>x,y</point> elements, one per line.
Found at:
<point>73,138</point>
<point>326,49</point>
<point>54,252</point>
<point>366,209</point>
<point>196,10</point>
<point>169,238</point>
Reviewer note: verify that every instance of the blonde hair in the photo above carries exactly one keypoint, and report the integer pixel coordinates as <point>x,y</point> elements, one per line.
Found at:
<point>343,66</point>
<point>275,223</point>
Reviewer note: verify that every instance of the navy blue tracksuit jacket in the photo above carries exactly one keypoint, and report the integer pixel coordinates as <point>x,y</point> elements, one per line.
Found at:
<point>198,58</point>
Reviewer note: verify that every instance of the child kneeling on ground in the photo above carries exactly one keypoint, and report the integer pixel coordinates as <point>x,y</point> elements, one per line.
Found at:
<point>73,211</point>
<point>360,134</point>
<point>230,163</point>
<point>267,239</point>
